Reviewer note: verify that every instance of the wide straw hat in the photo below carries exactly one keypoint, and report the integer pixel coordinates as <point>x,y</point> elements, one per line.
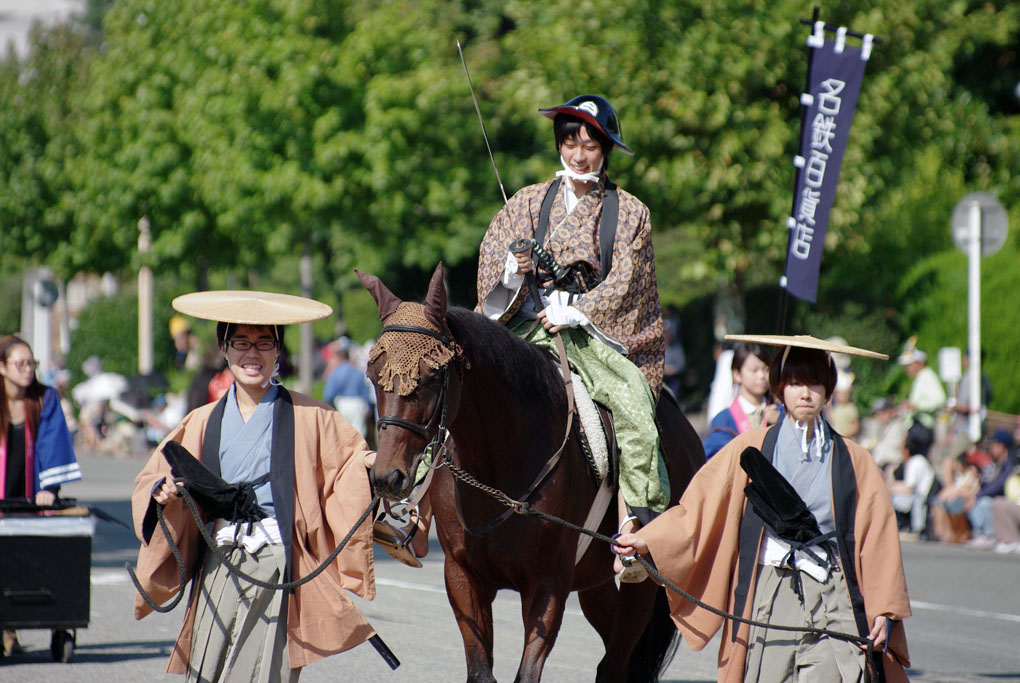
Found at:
<point>806,342</point>
<point>251,308</point>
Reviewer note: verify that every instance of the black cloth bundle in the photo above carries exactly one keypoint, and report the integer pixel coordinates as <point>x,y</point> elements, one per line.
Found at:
<point>217,498</point>
<point>776,501</point>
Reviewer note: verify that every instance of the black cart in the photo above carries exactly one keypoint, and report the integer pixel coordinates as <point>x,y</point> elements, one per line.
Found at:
<point>45,563</point>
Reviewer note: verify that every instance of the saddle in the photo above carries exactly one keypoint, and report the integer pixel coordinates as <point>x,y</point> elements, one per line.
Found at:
<point>595,432</point>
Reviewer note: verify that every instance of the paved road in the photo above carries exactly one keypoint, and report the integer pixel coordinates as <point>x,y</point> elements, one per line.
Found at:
<point>965,628</point>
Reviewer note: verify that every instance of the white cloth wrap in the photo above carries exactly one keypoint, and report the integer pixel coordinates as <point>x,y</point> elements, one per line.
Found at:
<point>592,424</point>
<point>774,550</point>
<point>512,277</point>
<point>263,531</point>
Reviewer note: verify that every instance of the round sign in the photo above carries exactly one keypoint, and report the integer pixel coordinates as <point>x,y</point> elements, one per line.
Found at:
<point>993,223</point>
<point>46,293</point>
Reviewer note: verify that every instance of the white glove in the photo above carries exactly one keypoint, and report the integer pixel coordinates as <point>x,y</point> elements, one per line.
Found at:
<point>568,316</point>
<point>511,278</point>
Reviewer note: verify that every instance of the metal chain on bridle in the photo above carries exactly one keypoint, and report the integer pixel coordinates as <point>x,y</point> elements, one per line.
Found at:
<point>522,507</point>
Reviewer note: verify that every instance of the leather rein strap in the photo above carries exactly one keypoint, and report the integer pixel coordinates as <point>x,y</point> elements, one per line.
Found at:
<point>550,465</point>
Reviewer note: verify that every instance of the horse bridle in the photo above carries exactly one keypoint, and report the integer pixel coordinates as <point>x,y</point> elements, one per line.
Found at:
<point>441,403</point>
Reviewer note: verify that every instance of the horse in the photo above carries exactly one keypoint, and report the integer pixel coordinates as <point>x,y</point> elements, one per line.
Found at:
<point>505,405</point>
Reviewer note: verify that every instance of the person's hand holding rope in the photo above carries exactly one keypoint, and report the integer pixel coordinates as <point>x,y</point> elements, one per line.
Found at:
<point>879,634</point>
<point>166,492</point>
<point>627,545</point>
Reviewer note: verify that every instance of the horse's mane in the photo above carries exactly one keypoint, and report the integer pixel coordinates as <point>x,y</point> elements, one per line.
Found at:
<point>528,369</point>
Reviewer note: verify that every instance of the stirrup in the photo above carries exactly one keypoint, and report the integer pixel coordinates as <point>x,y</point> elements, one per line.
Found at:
<point>633,571</point>
<point>395,534</point>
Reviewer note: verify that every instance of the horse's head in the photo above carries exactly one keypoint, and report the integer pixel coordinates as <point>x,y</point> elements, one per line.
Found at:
<point>410,367</point>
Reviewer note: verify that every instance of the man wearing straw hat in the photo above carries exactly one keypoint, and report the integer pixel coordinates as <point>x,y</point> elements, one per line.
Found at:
<point>725,544</point>
<point>306,467</point>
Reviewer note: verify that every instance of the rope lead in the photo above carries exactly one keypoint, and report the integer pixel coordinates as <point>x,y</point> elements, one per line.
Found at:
<point>222,557</point>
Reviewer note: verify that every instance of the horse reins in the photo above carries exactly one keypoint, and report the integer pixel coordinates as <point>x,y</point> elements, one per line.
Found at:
<point>376,640</point>
<point>522,507</point>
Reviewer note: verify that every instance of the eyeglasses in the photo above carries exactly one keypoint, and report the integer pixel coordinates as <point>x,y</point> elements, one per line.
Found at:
<point>245,345</point>
<point>23,364</point>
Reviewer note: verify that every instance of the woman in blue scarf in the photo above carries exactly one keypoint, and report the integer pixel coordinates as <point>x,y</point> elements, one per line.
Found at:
<point>36,455</point>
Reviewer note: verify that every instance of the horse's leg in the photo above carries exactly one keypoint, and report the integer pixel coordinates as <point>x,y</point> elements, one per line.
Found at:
<point>542,608</point>
<point>472,607</point>
<point>599,605</point>
<point>627,628</point>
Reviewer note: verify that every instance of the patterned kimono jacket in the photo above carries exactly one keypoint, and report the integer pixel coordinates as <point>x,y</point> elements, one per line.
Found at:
<point>624,307</point>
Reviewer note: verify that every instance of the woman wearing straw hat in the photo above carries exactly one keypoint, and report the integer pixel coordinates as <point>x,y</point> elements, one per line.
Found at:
<point>721,544</point>
<point>306,466</point>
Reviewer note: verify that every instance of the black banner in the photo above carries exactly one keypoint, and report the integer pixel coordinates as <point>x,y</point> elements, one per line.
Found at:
<point>834,82</point>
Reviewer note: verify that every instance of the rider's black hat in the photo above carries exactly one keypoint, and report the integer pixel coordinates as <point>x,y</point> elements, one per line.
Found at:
<point>595,110</point>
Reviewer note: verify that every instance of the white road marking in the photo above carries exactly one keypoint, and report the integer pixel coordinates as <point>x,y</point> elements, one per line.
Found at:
<point>965,611</point>
<point>112,577</point>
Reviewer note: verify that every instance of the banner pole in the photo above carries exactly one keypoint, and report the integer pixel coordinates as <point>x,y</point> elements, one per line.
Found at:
<point>783,294</point>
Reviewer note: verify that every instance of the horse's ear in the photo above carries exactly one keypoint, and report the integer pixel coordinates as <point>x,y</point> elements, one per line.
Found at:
<point>386,300</point>
<point>435,300</point>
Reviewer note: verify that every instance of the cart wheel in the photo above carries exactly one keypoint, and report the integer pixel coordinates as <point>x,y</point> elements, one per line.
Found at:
<point>62,647</point>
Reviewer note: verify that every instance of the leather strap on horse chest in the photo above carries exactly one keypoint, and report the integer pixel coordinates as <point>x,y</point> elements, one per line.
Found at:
<point>607,224</point>
<point>549,466</point>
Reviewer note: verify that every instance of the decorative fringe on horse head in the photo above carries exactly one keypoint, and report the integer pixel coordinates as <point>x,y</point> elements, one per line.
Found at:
<point>402,370</point>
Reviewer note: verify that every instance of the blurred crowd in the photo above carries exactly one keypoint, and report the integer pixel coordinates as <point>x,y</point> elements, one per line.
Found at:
<point>128,416</point>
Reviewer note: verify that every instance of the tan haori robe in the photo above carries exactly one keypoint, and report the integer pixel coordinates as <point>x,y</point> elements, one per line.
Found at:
<point>695,545</point>
<point>331,491</point>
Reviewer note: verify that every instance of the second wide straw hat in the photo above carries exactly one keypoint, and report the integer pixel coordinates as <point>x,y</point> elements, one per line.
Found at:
<point>251,307</point>
<point>805,341</point>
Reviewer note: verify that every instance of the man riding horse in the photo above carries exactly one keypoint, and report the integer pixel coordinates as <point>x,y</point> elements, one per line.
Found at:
<point>587,244</point>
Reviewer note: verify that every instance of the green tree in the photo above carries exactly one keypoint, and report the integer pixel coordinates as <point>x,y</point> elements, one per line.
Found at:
<point>37,116</point>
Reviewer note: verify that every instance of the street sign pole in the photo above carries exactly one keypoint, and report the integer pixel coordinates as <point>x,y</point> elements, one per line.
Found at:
<point>974,320</point>
<point>979,227</point>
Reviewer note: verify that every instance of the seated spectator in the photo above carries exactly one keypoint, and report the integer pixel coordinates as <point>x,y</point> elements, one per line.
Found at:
<point>1006,515</point>
<point>843,411</point>
<point>910,483</point>
<point>949,511</point>
<point>883,434</point>
<point>993,484</point>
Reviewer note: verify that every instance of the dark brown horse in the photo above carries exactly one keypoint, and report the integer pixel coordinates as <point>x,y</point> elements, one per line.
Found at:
<point>506,407</point>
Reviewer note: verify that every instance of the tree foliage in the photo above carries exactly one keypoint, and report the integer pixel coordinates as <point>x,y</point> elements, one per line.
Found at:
<point>251,133</point>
